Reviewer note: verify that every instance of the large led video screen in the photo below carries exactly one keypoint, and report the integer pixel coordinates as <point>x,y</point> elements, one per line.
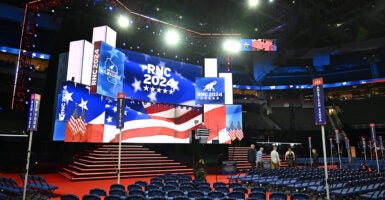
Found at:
<point>161,80</point>
<point>258,44</point>
<point>160,100</point>
<point>84,117</point>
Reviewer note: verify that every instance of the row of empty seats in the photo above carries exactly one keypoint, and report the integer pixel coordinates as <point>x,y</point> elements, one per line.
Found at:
<point>37,187</point>
<point>342,182</point>
<point>180,187</point>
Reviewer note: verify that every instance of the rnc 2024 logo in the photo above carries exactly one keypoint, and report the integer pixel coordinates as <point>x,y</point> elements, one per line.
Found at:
<point>111,71</point>
<point>209,90</point>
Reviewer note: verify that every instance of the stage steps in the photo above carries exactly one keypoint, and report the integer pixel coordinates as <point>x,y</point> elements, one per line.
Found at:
<point>101,162</point>
<point>239,154</point>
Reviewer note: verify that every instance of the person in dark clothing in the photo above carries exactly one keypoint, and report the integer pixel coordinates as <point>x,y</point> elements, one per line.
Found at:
<point>314,160</point>
<point>251,156</point>
<point>200,170</point>
<point>290,157</point>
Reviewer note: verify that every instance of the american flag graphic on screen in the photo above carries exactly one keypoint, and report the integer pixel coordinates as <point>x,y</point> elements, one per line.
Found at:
<point>144,122</point>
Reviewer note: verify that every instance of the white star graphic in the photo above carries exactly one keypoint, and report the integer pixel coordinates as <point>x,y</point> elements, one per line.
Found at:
<point>125,112</point>
<point>159,90</point>
<point>115,109</point>
<point>67,96</point>
<point>83,104</point>
<point>171,91</point>
<point>165,91</point>
<point>246,45</point>
<point>144,67</point>
<point>152,89</point>
<point>152,96</point>
<point>174,84</point>
<point>109,119</point>
<point>107,105</point>
<point>145,88</point>
<point>136,85</point>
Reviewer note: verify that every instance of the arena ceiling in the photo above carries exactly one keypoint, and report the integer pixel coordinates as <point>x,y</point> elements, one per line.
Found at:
<point>297,24</point>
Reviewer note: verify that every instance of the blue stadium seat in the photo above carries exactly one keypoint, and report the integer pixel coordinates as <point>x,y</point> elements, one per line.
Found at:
<point>134,187</point>
<point>69,197</point>
<point>98,191</point>
<point>134,197</point>
<point>117,186</point>
<point>141,183</point>
<point>150,187</point>
<point>277,196</point>
<point>216,195</point>
<point>258,189</point>
<point>112,197</point>
<point>300,196</point>
<point>219,184</point>
<point>222,189</point>
<point>156,193</point>
<point>236,195</point>
<point>195,194</point>
<point>137,193</point>
<point>91,197</point>
<point>175,193</point>
<point>258,195</point>
<point>117,192</point>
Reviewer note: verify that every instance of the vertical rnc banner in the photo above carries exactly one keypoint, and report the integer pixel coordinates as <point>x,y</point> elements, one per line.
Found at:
<point>107,70</point>
<point>120,104</point>
<point>373,132</point>
<point>33,114</point>
<point>337,136</point>
<point>347,144</point>
<point>319,101</point>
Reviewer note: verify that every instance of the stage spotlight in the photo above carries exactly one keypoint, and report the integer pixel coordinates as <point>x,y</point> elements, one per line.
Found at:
<point>231,45</point>
<point>123,21</point>
<point>271,1</point>
<point>111,8</point>
<point>253,3</point>
<point>172,37</point>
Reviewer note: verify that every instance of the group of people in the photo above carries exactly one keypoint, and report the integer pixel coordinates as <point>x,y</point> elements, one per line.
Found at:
<point>255,157</point>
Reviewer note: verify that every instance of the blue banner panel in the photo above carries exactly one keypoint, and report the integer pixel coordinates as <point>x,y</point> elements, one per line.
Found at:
<point>319,102</point>
<point>258,45</point>
<point>33,114</point>
<point>155,79</point>
<point>373,132</point>
<point>347,144</point>
<point>107,70</point>
<point>209,90</point>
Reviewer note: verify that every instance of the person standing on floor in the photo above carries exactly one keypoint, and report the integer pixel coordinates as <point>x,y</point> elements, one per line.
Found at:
<point>314,160</point>
<point>200,170</point>
<point>251,156</point>
<point>275,161</point>
<point>259,158</point>
<point>290,157</point>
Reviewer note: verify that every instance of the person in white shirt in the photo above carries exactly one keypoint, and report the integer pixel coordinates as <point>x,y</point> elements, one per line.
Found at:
<point>290,157</point>
<point>275,161</point>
